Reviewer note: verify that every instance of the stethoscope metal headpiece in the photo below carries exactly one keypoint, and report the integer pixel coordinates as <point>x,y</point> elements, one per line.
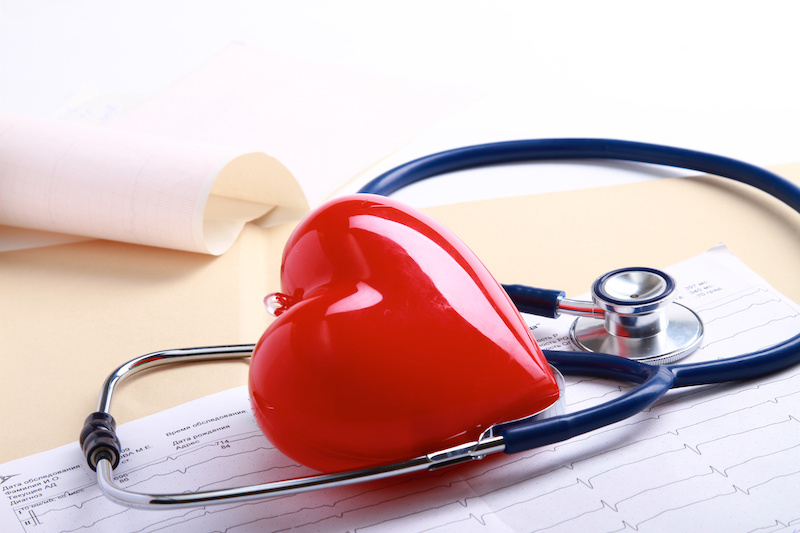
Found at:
<point>640,319</point>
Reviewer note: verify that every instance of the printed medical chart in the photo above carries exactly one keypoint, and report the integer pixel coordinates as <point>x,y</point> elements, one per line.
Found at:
<point>709,458</point>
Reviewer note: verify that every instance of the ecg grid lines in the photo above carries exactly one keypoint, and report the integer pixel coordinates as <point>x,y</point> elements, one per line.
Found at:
<point>716,457</point>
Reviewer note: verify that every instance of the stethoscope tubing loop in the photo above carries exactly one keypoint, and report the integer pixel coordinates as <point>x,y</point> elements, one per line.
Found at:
<point>575,149</point>
<point>747,366</point>
<point>741,367</point>
<point>652,381</point>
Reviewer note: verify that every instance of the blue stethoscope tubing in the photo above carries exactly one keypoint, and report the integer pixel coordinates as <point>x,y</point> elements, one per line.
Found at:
<point>103,449</point>
<point>654,382</point>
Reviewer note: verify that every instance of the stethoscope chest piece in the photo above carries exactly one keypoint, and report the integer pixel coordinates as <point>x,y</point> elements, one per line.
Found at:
<point>640,320</point>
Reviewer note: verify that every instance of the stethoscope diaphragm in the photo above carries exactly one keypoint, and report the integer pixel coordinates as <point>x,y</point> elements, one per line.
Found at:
<point>640,319</point>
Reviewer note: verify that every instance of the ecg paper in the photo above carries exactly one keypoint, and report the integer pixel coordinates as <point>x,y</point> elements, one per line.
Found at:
<point>709,458</point>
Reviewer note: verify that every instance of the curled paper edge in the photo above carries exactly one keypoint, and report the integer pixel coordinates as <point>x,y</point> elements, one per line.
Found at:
<point>61,178</point>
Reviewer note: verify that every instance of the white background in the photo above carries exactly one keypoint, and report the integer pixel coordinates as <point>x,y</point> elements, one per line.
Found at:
<point>714,76</point>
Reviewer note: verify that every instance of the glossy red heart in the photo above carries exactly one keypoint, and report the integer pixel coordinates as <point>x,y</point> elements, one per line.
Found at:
<point>393,340</point>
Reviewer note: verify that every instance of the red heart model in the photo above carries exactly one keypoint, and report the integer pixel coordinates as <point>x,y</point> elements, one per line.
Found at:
<point>392,341</point>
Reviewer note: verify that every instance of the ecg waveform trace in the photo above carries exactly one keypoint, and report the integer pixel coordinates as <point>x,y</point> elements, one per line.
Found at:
<point>717,457</point>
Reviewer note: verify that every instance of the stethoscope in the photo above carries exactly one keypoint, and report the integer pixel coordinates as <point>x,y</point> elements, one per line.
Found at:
<point>632,330</point>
